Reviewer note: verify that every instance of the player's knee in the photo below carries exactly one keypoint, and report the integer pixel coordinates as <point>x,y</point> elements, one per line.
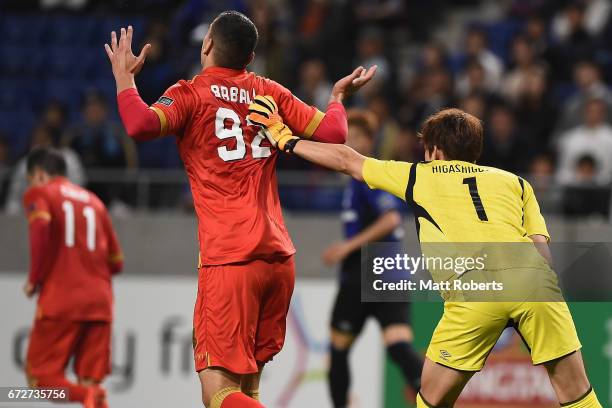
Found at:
<point>397,333</point>
<point>568,377</point>
<point>433,399</point>
<point>341,341</point>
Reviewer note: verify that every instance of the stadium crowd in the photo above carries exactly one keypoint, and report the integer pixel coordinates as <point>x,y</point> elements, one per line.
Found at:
<point>537,75</point>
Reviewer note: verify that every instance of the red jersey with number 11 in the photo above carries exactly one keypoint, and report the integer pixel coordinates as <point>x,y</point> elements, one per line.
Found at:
<point>81,248</point>
<point>231,168</point>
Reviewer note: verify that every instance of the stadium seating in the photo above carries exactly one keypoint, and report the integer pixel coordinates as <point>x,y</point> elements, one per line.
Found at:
<point>51,58</point>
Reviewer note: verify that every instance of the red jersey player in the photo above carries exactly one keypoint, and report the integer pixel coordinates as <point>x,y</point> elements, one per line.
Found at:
<point>74,253</point>
<point>246,273</point>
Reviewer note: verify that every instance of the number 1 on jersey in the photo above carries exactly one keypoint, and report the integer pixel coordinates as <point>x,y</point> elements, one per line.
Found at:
<point>478,206</point>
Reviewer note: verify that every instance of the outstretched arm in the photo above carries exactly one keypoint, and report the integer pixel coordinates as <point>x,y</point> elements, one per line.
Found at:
<point>335,157</point>
<point>263,112</point>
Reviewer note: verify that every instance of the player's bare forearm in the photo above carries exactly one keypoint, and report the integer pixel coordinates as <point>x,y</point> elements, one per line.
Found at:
<point>124,82</point>
<point>541,244</point>
<point>383,226</point>
<point>335,157</point>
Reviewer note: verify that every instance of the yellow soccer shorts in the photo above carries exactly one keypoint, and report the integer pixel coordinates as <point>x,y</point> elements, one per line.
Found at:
<point>468,331</point>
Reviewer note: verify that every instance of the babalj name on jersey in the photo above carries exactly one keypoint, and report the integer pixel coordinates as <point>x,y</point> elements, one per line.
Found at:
<point>233,94</point>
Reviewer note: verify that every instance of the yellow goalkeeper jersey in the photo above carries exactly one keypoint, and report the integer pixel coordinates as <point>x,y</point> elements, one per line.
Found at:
<point>466,205</point>
<point>456,201</point>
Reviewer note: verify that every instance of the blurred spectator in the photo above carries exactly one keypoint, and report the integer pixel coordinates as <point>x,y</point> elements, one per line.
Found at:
<point>370,52</point>
<point>474,80</point>
<point>41,136</point>
<point>325,30</point>
<point>476,49</point>
<point>314,87</point>
<point>574,42</point>
<point>587,197</point>
<point>589,16</point>
<point>536,109</point>
<point>594,139</point>
<point>536,34</point>
<point>99,141</point>
<point>436,93</point>
<point>475,104</point>
<point>587,77</point>
<point>586,170</point>
<point>102,144</point>
<point>515,81</point>
<point>433,56</point>
<point>541,177</point>
<point>158,72</point>
<point>54,119</point>
<point>385,138</point>
<point>504,146</point>
<point>407,146</point>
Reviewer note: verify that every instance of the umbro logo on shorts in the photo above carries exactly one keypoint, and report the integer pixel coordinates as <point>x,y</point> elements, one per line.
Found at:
<point>445,355</point>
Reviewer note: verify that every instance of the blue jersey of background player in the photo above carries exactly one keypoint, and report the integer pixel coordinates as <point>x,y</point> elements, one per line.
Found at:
<point>369,216</point>
<point>363,207</point>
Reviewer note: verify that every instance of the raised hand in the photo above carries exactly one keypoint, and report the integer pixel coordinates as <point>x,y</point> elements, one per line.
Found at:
<point>351,83</point>
<point>124,63</point>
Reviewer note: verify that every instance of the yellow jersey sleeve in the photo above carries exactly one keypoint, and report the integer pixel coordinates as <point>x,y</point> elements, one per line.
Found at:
<point>533,220</point>
<point>387,175</point>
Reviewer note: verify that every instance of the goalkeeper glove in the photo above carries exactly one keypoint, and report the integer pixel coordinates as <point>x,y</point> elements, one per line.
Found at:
<point>263,112</point>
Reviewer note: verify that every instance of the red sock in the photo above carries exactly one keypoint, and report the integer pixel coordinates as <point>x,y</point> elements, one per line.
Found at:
<point>76,392</point>
<point>240,400</point>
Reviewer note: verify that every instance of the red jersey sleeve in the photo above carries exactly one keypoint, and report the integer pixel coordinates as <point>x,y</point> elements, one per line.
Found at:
<point>36,205</point>
<point>175,107</point>
<point>303,119</point>
<point>115,254</point>
<point>38,213</point>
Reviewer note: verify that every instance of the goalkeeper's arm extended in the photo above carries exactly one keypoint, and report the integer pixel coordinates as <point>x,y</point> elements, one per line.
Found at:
<point>263,112</point>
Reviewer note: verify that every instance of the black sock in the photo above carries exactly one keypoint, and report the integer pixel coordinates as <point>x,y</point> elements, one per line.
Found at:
<point>339,377</point>
<point>409,361</point>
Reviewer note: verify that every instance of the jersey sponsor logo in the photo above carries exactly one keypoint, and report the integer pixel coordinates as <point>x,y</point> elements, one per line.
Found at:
<point>445,355</point>
<point>455,168</point>
<point>164,100</point>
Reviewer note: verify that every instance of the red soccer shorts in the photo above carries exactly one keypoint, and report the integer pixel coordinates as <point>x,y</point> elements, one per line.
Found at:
<point>54,342</point>
<point>240,313</point>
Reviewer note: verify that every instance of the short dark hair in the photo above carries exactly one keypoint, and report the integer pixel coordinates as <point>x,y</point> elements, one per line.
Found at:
<point>235,37</point>
<point>47,159</point>
<point>457,133</point>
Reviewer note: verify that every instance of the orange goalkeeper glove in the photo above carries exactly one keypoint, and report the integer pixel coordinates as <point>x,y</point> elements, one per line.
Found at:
<point>263,112</point>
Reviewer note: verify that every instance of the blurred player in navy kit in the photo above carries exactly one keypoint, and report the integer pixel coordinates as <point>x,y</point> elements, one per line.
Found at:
<point>369,216</point>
